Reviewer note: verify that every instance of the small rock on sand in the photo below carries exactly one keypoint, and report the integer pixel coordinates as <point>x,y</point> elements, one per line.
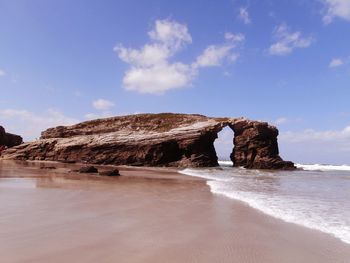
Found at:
<point>88,169</point>
<point>113,172</point>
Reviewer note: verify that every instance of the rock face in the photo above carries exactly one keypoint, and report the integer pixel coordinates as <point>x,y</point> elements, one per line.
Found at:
<point>8,140</point>
<point>166,139</point>
<point>255,146</point>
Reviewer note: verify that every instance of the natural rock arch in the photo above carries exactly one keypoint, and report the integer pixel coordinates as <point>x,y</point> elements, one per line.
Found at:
<point>224,144</point>
<point>166,139</point>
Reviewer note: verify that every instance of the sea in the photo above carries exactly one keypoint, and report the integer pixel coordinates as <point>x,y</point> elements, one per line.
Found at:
<point>315,196</point>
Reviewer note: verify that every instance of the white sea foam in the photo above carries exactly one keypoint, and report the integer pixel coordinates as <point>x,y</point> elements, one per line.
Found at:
<point>313,199</point>
<point>225,163</point>
<point>323,167</point>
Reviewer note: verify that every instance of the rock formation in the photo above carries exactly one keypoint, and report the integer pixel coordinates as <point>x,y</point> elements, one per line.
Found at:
<point>166,139</point>
<point>8,140</point>
<point>255,146</point>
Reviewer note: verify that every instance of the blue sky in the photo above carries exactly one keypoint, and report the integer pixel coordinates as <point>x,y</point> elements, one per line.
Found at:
<point>285,62</point>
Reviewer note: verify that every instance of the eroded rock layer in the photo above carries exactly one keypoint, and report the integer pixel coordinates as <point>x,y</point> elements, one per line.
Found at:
<point>255,146</point>
<point>166,139</point>
<point>8,139</point>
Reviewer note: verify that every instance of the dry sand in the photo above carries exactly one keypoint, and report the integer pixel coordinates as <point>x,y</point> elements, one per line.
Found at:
<point>146,215</point>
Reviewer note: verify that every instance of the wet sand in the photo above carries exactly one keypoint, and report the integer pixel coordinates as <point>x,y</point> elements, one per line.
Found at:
<point>146,215</point>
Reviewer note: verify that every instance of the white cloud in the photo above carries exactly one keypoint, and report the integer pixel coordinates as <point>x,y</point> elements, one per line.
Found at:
<point>319,136</point>
<point>158,78</point>
<point>149,55</point>
<point>336,62</point>
<point>2,73</point>
<point>336,8</point>
<point>29,125</point>
<point>215,55</point>
<point>170,33</point>
<point>244,15</point>
<point>311,146</point>
<point>102,104</point>
<point>287,41</point>
<point>151,70</point>
<point>234,37</point>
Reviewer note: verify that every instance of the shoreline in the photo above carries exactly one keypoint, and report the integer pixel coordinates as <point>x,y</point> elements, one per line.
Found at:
<point>146,215</point>
<point>260,202</point>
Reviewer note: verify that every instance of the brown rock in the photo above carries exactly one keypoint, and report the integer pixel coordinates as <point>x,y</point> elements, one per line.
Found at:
<point>255,146</point>
<point>88,169</point>
<point>180,140</point>
<point>8,140</point>
<point>113,172</point>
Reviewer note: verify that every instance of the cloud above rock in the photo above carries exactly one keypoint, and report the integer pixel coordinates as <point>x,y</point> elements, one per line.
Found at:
<point>153,68</point>
<point>312,146</point>
<point>102,104</point>
<point>29,124</point>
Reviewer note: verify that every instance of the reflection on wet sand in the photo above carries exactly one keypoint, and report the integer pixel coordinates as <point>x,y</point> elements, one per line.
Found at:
<point>146,215</point>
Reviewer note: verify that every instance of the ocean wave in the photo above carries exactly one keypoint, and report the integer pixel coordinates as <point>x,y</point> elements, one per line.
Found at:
<point>323,167</point>
<point>306,167</point>
<point>205,174</point>
<point>276,207</point>
<point>288,196</point>
<point>225,163</point>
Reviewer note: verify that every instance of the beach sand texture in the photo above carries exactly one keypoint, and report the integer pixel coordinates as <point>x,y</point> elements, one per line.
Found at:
<point>146,215</point>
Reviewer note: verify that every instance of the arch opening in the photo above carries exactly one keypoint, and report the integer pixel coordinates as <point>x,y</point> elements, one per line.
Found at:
<point>224,146</point>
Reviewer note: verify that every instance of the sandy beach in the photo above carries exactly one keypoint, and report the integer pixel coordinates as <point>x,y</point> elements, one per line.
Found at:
<point>146,215</point>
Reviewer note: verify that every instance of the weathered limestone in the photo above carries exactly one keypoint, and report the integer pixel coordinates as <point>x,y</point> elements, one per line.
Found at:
<point>180,140</point>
